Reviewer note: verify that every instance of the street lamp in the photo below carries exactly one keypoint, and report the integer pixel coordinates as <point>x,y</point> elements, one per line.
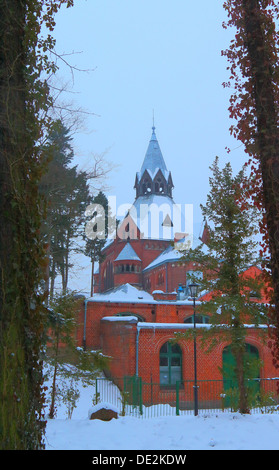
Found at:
<point>194,292</point>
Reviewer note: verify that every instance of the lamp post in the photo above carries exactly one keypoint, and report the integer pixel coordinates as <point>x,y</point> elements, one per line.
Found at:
<point>193,292</point>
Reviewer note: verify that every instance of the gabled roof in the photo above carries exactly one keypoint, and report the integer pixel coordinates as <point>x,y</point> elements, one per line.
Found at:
<point>128,254</point>
<point>174,254</point>
<point>167,256</point>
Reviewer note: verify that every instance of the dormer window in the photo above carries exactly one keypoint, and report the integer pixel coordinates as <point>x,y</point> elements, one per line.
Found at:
<point>167,222</point>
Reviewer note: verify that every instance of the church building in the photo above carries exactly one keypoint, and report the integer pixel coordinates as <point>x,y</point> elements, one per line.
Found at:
<point>142,254</point>
<point>141,296</point>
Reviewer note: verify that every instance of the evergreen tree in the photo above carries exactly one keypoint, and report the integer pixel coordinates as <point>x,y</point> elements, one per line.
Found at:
<point>229,251</point>
<point>97,230</point>
<point>84,365</point>
<point>67,193</point>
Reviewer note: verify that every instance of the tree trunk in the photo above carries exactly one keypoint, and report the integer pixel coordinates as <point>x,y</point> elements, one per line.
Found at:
<point>267,138</point>
<point>67,262</point>
<point>53,387</point>
<point>20,324</point>
<point>52,279</point>
<point>243,397</point>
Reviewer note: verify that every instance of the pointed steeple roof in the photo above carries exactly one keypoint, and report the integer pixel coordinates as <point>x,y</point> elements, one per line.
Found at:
<point>154,177</point>
<point>154,159</point>
<point>128,254</point>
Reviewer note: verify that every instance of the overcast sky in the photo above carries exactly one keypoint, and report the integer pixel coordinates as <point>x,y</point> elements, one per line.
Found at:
<point>151,54</point>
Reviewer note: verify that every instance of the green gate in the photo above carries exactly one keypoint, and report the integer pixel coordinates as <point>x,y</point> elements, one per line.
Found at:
<point>133,391</point>
<point>252,373</point>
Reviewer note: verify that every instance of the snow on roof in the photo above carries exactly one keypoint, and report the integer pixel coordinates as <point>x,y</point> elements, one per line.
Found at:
<point>125,318</point>
<point>170,254</point>
<point>173,253</point>
<point>186,326</point>
<point>153,160</point>
<point>124,293</point>
<point>128,253</point>
<point>150,212</point>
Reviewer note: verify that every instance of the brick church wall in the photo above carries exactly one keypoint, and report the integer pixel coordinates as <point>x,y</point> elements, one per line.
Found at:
<point>118,340</point>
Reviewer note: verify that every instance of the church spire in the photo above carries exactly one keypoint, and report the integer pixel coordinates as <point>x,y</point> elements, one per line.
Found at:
<point>154,177</point>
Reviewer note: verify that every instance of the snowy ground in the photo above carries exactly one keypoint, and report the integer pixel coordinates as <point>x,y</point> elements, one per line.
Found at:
<point>222,431</point>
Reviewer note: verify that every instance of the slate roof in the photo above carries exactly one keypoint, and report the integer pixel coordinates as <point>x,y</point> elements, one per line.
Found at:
<point>128,254</point>
<point>154,160</point>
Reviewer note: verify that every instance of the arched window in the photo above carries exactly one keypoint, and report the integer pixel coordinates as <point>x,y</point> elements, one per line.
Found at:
<point>146,186</point>
<point>159,186</point>
<point>160,278</point>
<point>170,364</point>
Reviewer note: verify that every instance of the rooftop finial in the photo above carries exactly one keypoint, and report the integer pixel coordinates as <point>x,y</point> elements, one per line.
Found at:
<point>153,128</point>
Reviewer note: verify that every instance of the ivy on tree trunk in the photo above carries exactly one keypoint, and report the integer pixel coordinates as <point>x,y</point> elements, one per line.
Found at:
<point>254,70</point>
<point>23,99</point>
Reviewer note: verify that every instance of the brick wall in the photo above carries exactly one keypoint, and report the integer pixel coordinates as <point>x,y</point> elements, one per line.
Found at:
<point>95,311</point>
<point>147,251</point>
<point>118,340</point>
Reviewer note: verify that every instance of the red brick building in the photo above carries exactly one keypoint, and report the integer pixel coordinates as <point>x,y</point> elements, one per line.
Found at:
<point>132,326</point>
<point>141,251</point>
<point>141,297</point>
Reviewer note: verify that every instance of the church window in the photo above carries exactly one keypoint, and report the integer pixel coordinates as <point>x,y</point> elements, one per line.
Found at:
<point>199,319</point>
<point>170,364</point>
<point>159,186</point>
<point>160,279</point>
<point>146,186</point>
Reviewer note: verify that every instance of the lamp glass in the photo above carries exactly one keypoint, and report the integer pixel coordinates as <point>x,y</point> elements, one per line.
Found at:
<point>193,289</point>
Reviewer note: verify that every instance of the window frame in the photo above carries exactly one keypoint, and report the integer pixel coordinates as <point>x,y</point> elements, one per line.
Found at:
<point>170,356</point>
